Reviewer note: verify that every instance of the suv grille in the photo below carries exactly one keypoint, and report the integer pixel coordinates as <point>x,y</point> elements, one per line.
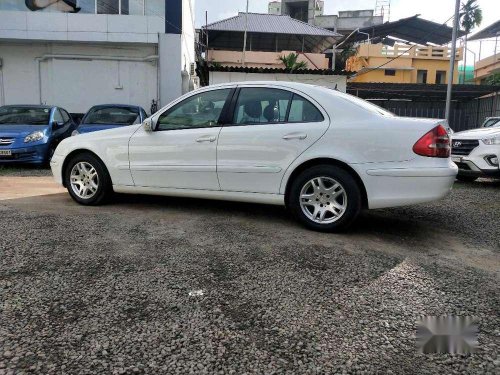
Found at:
<point>6,141</point>
<point>463,146</point>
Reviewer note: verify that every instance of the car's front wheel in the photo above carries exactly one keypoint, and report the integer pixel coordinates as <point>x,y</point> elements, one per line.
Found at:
<point>87,179</point>
<point>325,198</point>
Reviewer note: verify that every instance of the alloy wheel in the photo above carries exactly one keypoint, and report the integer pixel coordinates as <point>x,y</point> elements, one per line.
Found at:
<point>84,180</point>
<point>323,200</point>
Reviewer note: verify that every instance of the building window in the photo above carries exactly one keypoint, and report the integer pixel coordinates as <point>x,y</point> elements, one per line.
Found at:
<point>441,76</point>
<point>421,76</point>
<point>155,8</point>
<point>390,72</point>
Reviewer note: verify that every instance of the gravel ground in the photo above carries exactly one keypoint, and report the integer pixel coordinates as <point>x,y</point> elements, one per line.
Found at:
<point>162,285</point>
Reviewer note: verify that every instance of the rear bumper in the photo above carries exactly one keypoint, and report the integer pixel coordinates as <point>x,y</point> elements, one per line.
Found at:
<point>400,187</point>
<point>27,155</point>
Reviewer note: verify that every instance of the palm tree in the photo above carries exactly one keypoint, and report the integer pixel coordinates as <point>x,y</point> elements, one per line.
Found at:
<point>291,63</point>
<point>471,16</point>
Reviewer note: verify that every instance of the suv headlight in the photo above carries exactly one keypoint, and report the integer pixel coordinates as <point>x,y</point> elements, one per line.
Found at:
<point>33,137</point>
<point>491,141</point>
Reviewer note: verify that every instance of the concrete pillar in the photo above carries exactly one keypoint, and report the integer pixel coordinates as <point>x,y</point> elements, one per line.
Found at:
<point>170,58</point>
<point>170,53</point>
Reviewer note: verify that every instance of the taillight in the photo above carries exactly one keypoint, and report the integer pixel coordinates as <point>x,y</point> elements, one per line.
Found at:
<point>435,143</point>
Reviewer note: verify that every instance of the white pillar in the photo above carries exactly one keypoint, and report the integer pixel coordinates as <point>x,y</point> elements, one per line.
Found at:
<point>170,65</point>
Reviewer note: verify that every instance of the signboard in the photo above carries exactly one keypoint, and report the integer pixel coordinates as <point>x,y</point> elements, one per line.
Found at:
<point>61,6</point>
<point>131,7</point>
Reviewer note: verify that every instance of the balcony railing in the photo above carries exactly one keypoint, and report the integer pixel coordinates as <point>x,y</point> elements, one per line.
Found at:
<point>403,50</point>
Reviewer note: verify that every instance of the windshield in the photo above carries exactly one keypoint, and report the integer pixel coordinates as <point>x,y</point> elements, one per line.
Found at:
<point>113,116</point>
<point>24,116</point>
<point>492,122</point>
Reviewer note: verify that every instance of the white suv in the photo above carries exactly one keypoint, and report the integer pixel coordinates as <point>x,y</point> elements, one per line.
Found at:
<point>476,152</point>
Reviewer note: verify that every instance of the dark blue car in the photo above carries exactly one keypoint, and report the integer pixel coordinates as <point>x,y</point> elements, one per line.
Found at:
<point>30,133</point>
<point>108,116</point>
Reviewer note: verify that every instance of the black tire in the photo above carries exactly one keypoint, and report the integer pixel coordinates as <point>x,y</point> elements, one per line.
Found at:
<point>465,178</point>
<point>104,185</point>
<point>348,183</point>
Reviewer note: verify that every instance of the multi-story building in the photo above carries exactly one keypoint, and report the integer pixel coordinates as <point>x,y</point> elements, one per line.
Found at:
<point>268,37</point>
<point>274,7</point>
<point>402,63</point>
<point>85,52</point>
<point>312,12</point>
<point>486,68</point>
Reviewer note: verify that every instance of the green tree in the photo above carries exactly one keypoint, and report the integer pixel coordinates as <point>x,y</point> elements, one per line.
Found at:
<point>470,17</point>
<point>291,63</point>
<point>493,79</point>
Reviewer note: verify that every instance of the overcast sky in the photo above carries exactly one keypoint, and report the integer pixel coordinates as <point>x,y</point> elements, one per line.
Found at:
<point>435,10</point>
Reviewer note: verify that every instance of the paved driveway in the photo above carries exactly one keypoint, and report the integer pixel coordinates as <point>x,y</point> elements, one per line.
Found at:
<point>162,285</point>
<point>13,187</point>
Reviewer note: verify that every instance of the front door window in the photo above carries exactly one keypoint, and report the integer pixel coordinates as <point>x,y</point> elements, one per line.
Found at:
<point>198,111</point>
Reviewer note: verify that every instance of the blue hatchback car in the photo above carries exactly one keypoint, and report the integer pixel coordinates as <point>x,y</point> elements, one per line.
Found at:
<point>108,116</point>
<point>30,133</point>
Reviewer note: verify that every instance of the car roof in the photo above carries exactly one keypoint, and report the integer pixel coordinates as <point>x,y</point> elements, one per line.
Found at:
<point>41,106</point>
<point>117,106</point>
<point>299,86</point>
<point>270,83</point>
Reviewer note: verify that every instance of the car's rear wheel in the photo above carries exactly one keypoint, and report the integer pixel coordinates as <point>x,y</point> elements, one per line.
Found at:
<point>87,180</point>
<point>325,198</point>
<point>465,178</point>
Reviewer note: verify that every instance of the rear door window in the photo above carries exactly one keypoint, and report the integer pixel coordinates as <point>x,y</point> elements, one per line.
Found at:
<point>258,105</point>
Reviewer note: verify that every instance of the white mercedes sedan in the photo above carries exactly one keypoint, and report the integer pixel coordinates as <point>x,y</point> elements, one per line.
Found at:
<point>323,154</point>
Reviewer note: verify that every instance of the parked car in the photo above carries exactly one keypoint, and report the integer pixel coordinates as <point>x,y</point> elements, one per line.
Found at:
<point>476,152</point>
<point>323,154</point>
<point>108,116</point>
<point>30,133</point>
<point>491,122</point>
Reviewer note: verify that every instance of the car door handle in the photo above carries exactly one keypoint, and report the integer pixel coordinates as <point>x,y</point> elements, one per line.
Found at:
<point>287,137</point>
<point>206,138</point>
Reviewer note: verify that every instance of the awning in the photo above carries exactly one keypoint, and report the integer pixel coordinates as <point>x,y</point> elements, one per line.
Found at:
<point>412,29</point>
<point>490,31</point>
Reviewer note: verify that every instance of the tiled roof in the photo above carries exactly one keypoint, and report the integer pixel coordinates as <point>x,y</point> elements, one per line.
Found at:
<point>270,23</point>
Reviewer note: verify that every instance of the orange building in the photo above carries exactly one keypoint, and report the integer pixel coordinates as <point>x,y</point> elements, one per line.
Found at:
<point>420,64</point>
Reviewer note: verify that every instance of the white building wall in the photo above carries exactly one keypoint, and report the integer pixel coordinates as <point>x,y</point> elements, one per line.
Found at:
<point>329,81</point>
<point>80,80</point>
<point>94,68</point>
<point>80,27</point>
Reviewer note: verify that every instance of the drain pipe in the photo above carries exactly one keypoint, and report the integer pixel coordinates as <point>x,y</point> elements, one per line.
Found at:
<point>38,60</point>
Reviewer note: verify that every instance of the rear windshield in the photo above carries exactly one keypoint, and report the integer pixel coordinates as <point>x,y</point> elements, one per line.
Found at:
<point>492,122</point>
<point>24,116</point>
<point>113,116</point>
<point>369,106</point>
<point>366,105</point>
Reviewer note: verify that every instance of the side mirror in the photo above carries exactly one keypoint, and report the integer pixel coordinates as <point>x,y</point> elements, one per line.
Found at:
<point>149,125</point>
<point>56,125</point>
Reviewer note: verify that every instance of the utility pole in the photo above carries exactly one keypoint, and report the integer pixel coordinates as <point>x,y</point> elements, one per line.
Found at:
<point>452,59</point>
<point>245,37</point>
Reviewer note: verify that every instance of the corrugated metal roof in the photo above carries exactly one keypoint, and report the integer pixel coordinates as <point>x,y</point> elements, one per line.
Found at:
<point>488,32</point>
<point>324,72</point>
<point>269,23</point>
<point>412,29</point>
